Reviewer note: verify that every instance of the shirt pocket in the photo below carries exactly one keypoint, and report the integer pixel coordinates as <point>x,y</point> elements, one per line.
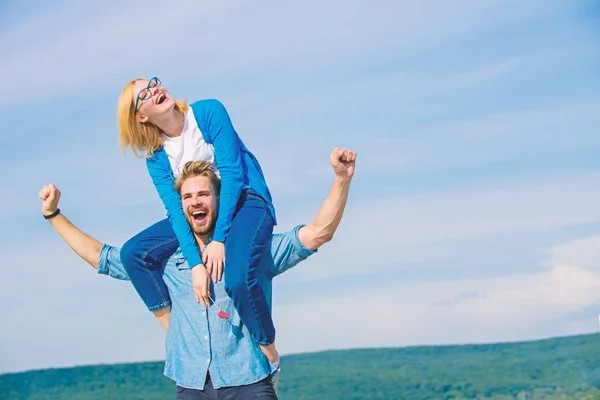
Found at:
<point>180,276</point>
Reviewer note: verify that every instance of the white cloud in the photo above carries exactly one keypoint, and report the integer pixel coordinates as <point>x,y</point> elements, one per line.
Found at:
<point>479,141</point>
<point>69,50</point>
<point>394,147</point>
<point>507,308</point>
<point>97,44</point>
<point>584,252</point>
<point>398,228</point>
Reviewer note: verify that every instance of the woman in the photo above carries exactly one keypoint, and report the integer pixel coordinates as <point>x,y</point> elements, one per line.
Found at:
<point>170,133</point>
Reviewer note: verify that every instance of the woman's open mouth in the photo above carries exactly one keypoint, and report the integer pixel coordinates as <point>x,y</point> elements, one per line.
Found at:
<point>161,98</point>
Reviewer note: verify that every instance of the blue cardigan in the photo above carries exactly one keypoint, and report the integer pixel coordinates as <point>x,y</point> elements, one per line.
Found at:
<point>238,167</point>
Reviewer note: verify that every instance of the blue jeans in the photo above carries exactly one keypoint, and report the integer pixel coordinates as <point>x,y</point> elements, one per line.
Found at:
<point>144,257</point>
<point>247,240</point>
<point>262,390</point>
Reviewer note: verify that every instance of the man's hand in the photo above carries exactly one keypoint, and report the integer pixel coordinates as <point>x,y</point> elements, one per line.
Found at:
<point>84,245</point>
<point>343,162</point>
<point>325,224</point>
<point>213,257</point>
<point>50,196</point>
<point>201,284</point>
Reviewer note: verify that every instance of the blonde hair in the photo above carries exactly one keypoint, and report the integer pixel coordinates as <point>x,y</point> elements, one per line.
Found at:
<point>192,169</point>
<point>139,136</point>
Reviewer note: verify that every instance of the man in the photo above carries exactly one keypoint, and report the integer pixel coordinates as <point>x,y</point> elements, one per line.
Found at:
<point>210,353</point>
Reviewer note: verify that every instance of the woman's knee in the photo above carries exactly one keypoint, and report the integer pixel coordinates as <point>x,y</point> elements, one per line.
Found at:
<point>131,253</point>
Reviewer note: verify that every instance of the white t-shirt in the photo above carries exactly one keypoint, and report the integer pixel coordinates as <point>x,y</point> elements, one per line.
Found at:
<point>189,146</point>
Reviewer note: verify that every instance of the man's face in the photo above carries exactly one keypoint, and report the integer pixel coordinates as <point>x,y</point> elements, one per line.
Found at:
<point>200,204</point>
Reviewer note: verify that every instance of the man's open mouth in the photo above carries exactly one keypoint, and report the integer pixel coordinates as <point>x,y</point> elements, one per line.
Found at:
<point>161,98</point>
<point>199,216</point>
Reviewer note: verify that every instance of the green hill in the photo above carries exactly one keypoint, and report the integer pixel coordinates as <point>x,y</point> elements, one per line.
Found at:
<point>559,368</point>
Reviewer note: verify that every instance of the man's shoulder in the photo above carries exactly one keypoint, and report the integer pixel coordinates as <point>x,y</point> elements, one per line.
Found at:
<point>287,250</point>
<point>288,238</point>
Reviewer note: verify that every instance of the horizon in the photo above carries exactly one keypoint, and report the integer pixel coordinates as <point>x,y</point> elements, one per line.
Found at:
<point>332,350</point>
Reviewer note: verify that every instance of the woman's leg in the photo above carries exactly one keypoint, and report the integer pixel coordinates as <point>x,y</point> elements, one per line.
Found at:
<point>246,242</point>
<point>144,257</point>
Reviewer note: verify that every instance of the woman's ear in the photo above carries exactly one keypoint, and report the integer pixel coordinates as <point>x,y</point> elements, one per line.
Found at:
<point>141,118</point>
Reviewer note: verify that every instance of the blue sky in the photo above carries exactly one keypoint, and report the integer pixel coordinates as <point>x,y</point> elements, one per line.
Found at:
<point>474,211</point>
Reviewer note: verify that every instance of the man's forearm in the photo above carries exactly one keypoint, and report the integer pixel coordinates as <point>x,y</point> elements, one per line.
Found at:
<point>322,229</point>
<point>85,246</point>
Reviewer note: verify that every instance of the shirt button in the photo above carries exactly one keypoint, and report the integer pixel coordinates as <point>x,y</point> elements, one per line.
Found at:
<point>206,337</point>
<point>208,361</point>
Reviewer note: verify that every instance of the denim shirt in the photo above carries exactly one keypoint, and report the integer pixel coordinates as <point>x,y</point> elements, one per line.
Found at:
<point>198,341</point>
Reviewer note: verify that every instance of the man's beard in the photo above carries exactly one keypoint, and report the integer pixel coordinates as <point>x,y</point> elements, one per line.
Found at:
<point>203,229</point>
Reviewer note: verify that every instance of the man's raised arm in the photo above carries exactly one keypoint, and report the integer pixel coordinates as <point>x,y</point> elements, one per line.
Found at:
<point>84,245</point>
<point>321,230</point>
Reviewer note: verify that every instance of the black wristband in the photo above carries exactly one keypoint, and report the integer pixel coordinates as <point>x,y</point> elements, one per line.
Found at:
<point>54,214</point>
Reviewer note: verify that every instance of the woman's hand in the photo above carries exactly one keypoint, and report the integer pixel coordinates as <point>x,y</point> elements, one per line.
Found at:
<point>213,258</point>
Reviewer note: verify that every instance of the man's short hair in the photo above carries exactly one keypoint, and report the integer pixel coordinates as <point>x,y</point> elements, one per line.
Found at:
<point>192,169</point>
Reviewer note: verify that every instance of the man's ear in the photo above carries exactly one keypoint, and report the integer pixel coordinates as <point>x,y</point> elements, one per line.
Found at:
<point>141,118</point>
